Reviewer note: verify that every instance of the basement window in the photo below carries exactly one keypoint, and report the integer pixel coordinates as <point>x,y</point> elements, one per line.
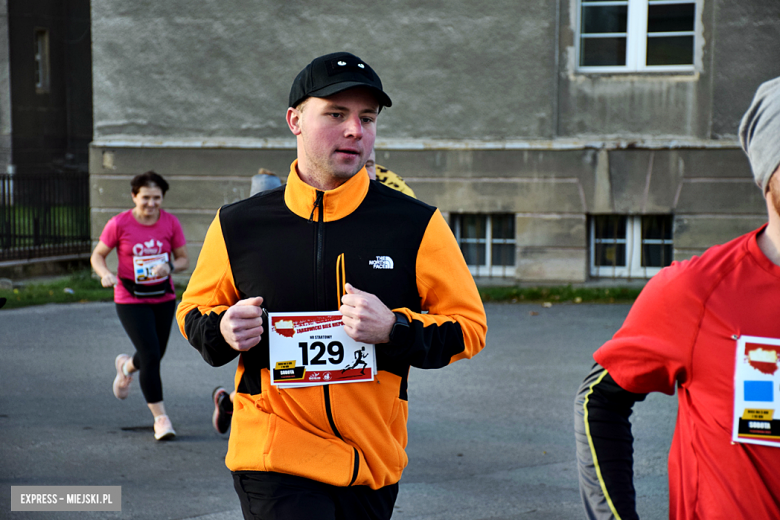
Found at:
<point>487,242</point>
<point>629,246</point>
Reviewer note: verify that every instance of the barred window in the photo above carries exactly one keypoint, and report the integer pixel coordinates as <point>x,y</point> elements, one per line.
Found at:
<point>487,242</point>
<point>624,246</point>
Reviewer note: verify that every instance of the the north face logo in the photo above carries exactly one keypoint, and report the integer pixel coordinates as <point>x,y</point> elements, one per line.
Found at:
<point>381,262</point>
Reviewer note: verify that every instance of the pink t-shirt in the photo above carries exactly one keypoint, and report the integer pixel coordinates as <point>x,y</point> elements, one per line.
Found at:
<point>136,241</point>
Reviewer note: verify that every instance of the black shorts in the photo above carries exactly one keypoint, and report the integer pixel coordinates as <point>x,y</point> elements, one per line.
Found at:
<point>276,496</point>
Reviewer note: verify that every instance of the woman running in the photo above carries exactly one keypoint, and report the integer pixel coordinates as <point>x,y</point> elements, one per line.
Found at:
<point>150,246</point>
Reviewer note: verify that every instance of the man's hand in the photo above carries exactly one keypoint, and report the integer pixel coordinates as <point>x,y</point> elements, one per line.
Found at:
<point>242,324</point>
<point>366,318</point>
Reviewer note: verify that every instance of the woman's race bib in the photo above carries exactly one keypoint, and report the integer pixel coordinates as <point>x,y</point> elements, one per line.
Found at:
<point>143,266</point>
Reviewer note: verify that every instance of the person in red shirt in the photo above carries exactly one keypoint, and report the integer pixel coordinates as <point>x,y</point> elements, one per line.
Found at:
<point>708,328</point>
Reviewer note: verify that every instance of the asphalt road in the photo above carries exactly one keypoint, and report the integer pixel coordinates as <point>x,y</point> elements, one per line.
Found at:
<point>489,438</point>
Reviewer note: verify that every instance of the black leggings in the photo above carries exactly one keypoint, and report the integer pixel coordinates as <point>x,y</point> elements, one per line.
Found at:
<point>149,326</point>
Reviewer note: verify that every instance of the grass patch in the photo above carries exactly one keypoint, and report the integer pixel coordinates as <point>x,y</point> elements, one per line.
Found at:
<point>28,226</point>
<point>79,287</point>
<point>560,294</point>
<point>82,287</point>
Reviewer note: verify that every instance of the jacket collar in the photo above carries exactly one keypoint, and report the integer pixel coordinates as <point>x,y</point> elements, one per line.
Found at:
<point>338,203</point>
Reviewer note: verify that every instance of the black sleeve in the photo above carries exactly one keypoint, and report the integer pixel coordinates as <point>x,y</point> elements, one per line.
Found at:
<point>605,446</point>
<point>203,333</point>
<point>428,347</point>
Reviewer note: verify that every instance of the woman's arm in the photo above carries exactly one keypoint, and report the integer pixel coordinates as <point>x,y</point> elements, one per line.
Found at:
<point>180,262</point>
<point>98,261</point>
<point>180,259</point>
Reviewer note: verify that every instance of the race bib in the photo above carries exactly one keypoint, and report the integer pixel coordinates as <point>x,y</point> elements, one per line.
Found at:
<point>143,265</point>
<point>756,391</point>
<point>312,348</point>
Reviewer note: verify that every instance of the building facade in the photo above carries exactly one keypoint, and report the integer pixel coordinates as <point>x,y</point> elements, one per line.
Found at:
<point>45,86</point>
<point>564,140</point>
<point>45,134</point>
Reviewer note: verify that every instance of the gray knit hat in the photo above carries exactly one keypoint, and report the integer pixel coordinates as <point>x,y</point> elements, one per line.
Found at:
<point>759,132</point>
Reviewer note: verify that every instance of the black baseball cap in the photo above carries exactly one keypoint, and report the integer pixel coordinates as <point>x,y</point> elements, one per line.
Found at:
<point>332,73</point>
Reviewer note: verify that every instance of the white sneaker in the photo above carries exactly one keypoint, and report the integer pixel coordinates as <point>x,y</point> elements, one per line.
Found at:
<point>163,429</point>
<point>121,381</point>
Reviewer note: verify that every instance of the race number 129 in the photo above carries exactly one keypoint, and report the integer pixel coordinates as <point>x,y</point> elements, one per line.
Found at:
<point>334,350</point>
<point>312,348</point>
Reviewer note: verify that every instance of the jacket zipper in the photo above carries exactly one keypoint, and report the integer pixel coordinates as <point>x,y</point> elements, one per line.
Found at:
<point>319,268</point>
<point>320,284</point>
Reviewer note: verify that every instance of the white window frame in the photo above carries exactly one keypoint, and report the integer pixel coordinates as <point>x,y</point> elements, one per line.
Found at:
<point>634,243</point>
<point>489,270</point>
<point>636,37</point>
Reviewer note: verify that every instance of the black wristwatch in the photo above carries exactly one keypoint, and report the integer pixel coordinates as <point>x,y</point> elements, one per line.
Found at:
<point>170,264</point>
<point>401,333</point>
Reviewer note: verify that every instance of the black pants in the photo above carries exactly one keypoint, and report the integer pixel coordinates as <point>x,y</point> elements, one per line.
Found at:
<point>149,326</point>
<point>275,496</point>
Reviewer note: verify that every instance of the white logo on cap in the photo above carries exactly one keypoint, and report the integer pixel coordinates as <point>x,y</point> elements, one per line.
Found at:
<point>342,63</point>
<point>361,66</point>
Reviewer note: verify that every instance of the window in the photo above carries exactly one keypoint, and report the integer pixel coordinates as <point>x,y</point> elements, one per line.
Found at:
<point>487,243</point>
<point>623,246</point>
<point>636,35</point>
<point>41,61</point>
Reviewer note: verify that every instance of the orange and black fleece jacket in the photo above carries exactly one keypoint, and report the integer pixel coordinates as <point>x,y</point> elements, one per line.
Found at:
<point>296,246</point>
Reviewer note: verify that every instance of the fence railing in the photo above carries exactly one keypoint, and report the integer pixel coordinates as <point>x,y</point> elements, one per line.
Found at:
<point>44,215</point>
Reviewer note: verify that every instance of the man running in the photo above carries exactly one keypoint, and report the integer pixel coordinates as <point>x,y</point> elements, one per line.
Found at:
<point>329,451</point>
<point>707,328</point>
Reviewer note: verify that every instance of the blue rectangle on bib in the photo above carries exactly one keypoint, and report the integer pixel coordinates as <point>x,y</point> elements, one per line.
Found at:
<point>759,391</point>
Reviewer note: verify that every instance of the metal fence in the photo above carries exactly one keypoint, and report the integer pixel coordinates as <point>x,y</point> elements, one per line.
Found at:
<point>44,215</point>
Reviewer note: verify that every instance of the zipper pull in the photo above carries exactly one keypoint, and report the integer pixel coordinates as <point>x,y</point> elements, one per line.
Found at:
<point>317,204</point>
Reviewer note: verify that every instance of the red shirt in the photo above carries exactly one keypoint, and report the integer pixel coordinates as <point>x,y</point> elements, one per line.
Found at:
<point>133,239</point>
<point>681,333</point>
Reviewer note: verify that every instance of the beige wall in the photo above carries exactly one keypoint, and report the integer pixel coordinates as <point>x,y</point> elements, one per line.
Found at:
<point>551,191</point>
<point>489,113</point>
